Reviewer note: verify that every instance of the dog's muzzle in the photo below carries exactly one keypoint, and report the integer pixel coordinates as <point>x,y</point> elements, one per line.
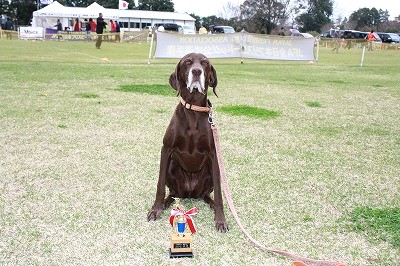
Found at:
<point>196,80</point>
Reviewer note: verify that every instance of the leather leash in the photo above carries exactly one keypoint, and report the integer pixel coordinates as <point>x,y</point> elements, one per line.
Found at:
<point>297,260</point>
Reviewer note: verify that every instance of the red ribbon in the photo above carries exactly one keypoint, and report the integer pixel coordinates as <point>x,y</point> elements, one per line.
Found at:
<point>188,217</point>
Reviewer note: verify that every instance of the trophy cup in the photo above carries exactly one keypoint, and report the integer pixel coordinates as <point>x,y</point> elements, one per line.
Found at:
<point>182,230</point>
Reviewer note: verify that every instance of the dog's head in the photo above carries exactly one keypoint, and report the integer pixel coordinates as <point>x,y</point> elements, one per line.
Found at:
<point>195,73</point>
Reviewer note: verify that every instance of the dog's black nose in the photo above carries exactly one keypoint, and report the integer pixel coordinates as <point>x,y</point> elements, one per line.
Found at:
<point>196,71</point>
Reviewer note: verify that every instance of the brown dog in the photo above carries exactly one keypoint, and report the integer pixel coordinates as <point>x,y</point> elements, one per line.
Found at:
<point>189,166</point>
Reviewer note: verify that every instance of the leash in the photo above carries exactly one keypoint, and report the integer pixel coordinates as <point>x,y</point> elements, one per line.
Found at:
<point>297,260</point>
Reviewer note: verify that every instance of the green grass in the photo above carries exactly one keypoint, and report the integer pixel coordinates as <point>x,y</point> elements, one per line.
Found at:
<point>249,111</point>
<point>152,89</point>
<point>79,158</point>
<point>314,104</point>
<point>377,224</point>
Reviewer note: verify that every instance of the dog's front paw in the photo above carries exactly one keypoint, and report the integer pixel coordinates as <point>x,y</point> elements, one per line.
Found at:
<point>221,226</point>
<point>154,214</point>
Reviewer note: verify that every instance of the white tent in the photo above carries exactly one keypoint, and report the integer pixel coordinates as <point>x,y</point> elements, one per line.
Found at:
<point>47,16</point>
<point>55,9</point>
<point>130,19</point>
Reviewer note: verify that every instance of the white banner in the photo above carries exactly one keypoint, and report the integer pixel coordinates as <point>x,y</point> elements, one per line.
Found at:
<point>31,32</point>
<point>245,45</point>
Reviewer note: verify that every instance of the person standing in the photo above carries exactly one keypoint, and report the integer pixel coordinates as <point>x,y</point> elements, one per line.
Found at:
<point>9,27</point>
<point>100,24</point>
<point>117,32</point>
<point>349,40</point>
<point>112,26</point>
<point>87,27</point>
<point>92,25</point>
<point>336,40</point>
<point>112,29</point>
<point>77,25</point>
<point>106,32</point>
<point>371,38</point>
<point>59,29</point>
<point>202,30</point>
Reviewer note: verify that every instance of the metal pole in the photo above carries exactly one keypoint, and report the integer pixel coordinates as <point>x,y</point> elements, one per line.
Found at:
<point>362,57</point>
<point>151,46</point>
<point>242,47</point>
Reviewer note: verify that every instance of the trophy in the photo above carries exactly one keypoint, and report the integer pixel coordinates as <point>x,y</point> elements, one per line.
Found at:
<point>182,230</point>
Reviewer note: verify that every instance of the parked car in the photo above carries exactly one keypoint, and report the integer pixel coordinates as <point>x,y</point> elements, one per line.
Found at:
<point>389,37</point>
<point>187,29</point>
<point>297,33</point>
<point>222,29</point>
<point>170,27</point>
<point>347,34</point>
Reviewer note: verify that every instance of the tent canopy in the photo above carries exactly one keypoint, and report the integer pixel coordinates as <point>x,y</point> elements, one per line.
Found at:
<point>55,9</point>
<point>132,19</point>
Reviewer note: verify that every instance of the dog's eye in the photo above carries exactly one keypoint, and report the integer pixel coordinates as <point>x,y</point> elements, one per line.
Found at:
<point>187,62</point>
<point>205,63</point>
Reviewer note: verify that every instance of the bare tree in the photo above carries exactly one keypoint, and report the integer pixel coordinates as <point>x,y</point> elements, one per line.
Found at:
<point>264,15</point>
<point>230,10</point>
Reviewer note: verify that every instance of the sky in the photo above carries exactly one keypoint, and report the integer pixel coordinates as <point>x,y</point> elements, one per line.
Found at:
<point>343,8</point>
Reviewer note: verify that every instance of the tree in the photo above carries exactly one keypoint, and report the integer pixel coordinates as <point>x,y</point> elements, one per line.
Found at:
<point>263,16</point>
<point>197,22</point>
<point>384,16</point>
<point>229,10</point>
<point>5,8</point>
<point>20,11</point>
<point>366,19</point>
<point>317,14</point>
<point>207,22</point>
<point>156,5</point>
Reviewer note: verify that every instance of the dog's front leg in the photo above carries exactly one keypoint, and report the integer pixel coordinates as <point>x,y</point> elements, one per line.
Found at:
<point>158,205</point>
<point>220,222</point>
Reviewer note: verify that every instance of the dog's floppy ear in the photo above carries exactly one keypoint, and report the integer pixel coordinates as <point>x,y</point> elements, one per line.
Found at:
<point>174,78</point>
<point>213,80</point>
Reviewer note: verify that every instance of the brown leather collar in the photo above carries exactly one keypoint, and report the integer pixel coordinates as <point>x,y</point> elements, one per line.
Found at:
<point>196,108</point>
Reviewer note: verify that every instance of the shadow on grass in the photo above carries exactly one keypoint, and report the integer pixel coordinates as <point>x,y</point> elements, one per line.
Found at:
<point>151,89</point>
<point>377,224</point>
<point>249,111</point>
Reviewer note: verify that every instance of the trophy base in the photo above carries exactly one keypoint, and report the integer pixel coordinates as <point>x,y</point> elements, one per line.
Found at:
<point>173,255</point>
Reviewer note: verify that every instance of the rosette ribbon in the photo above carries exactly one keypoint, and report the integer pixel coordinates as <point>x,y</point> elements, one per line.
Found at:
<point>188,217</point>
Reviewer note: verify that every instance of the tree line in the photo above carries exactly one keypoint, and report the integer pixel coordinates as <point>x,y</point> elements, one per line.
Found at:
<point>257,16</point>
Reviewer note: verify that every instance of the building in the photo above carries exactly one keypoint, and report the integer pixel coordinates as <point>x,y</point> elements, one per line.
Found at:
<point>131,20</point>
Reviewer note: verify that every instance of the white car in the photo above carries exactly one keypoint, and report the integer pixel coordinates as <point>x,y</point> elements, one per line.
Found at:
<point>187,29</point>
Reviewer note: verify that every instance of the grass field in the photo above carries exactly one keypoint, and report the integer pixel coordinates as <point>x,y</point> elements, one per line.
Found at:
<point>81,132</point>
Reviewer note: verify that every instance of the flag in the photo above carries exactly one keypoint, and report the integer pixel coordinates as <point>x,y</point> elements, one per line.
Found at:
<point>123,4</point>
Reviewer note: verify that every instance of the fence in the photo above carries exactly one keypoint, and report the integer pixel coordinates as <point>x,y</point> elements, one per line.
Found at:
<point>358,43</point>
<point>51,35</point>
<point>143,36</point>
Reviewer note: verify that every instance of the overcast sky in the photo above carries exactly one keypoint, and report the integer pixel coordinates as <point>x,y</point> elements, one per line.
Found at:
<point>344,8</point>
